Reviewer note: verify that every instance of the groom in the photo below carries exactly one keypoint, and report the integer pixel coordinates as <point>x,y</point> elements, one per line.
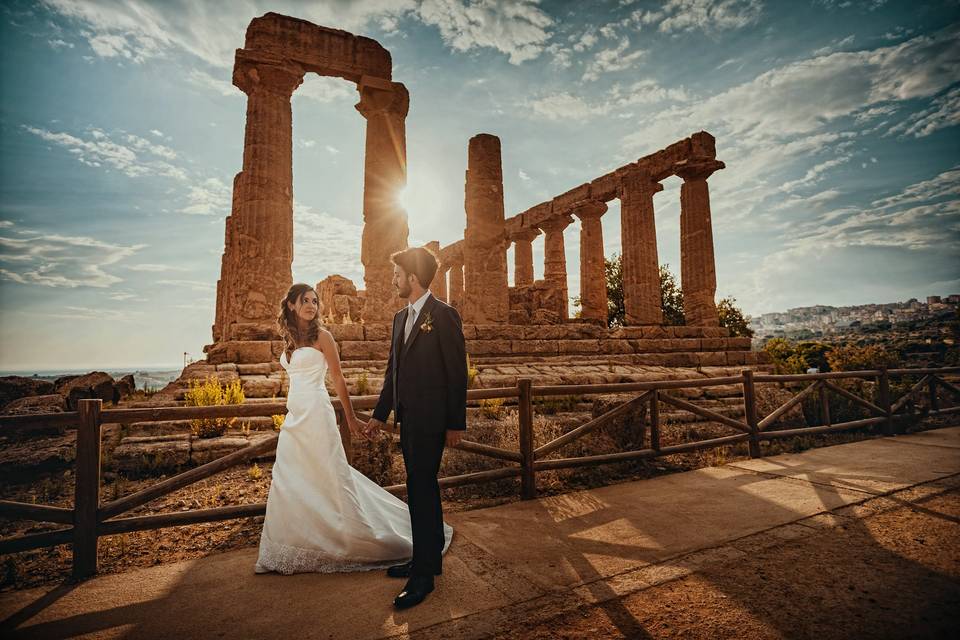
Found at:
<point>425,386</point>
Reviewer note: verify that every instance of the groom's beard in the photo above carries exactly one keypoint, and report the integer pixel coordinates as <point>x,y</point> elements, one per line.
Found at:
<point>404,292</point>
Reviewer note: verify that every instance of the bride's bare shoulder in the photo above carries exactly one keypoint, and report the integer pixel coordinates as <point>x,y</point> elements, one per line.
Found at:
<point>324,337</point>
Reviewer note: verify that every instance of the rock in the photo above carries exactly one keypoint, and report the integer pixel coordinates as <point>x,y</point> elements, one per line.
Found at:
<point>142,455</point>
<point>203,450</point>
<point>14,387</point>
<point>52,403</point>
<point>96,384</point>
<point>126,385</point>
<point>24,458</point>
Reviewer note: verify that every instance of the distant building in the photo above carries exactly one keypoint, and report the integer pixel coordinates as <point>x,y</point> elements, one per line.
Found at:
<point>933,300</point>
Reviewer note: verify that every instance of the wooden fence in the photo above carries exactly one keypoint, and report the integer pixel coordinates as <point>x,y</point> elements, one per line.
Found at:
<point>90,519</point>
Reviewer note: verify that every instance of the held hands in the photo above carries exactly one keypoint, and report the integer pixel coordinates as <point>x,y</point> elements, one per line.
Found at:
<point>357,427</point>
<point>372,426</point>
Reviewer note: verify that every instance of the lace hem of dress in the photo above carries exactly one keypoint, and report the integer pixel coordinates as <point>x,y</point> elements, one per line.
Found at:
<point>288,560</point>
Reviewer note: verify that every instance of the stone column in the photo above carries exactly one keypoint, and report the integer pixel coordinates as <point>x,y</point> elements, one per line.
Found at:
<point>439,284</point>
<point>456,286</point>
<point>384,104</point>
<point>555,260</point>
<point>593,277</point>
<point>523,255</point>
<point>638,237</point>
<point>487,298</point>
<point>258,243</point>
<point>698,271</point>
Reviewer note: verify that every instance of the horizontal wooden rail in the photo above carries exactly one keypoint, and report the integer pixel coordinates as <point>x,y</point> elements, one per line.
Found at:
<point>38,512</point>
<point>626,387</point>
<point>180,518</point>
<point>622,456</point>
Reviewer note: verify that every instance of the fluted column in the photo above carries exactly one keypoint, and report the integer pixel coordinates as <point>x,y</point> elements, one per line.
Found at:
<point>523,255</point>
<point>638,236</point>
<point>698,271</point>
<point>384,105</point>
<point>456,286</point>
<point>555,260</point>
<point>487,298</point>
<point>593,278</point>
<point>258,242</point>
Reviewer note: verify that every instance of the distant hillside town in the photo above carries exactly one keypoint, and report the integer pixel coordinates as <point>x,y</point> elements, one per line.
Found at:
<point>826,321</point>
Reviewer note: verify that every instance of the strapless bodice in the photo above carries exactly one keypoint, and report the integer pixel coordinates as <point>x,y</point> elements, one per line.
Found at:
<point>306,369</point>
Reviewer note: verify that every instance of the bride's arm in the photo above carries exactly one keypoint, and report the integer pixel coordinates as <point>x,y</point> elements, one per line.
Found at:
<point>328,346</point>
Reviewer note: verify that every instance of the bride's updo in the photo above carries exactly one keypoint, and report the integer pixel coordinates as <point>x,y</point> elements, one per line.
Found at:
<point>287,324</point>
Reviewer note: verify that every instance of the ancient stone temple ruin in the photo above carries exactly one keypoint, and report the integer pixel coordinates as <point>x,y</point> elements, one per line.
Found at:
<point>511,330</point>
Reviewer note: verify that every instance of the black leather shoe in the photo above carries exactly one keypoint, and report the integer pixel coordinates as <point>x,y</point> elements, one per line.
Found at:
<point>415,592</point>
<point>400,570</point>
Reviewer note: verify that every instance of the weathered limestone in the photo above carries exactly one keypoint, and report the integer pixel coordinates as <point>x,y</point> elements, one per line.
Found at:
<point>258,247</point>
<point>593,281</point>
<point>340,302</point>
<point>698,274</point>
<point>485,260</point>
<point>523,255</point>
<point>555,260</point>
<point>439,284</point>
<point>641,268</point>
<point>456,286</point>
<point>384,104</point>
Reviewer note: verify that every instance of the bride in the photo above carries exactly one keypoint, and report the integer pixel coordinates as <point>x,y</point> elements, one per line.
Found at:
<point>322,514</point>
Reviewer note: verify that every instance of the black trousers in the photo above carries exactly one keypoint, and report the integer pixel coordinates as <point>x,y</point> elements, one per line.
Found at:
<point>422,453</point>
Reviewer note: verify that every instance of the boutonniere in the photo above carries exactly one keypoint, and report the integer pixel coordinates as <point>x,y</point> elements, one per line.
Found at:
<point>427,324</point>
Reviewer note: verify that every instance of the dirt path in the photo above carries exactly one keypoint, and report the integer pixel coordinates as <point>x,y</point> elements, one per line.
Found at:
<point>892,574</point>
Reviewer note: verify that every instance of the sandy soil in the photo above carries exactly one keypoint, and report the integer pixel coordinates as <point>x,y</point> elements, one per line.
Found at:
<point>895,574</point>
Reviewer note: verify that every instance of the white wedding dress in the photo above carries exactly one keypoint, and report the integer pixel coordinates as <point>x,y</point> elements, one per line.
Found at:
<point>322,514</point>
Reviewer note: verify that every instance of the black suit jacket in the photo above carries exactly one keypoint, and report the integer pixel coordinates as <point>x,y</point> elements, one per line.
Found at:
<point>426,379</point>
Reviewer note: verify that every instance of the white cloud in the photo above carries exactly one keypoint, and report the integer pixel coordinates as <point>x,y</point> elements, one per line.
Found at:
<point>219,85</point>
<point>518,28</point>
<point>53,260</point>
<point>138,30</point>
<point>325,245</point>
<point>704,15</point>
<point>208,198</point>
<point>615,59</point>
<point>60,44</point>
<point>944,112</point>
<point>100,150</point>
<point>154,268</point>
<point>566,106</point>
<point>194,285</point>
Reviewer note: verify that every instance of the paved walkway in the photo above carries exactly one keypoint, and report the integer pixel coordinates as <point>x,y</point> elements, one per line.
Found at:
<point>527,558</point>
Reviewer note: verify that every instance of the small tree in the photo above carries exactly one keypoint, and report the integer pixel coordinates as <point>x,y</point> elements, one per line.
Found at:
<point>671,298</point>
<point>733,319</point>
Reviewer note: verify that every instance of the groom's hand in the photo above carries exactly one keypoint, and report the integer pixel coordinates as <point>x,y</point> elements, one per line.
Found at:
<point>453,437</point>
<point>373,425</point>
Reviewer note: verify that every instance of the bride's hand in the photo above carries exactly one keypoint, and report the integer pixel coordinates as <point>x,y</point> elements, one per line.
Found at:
<point>358,428</point>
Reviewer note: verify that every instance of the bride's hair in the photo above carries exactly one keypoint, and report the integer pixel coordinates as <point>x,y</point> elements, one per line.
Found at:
<point>287,320</point>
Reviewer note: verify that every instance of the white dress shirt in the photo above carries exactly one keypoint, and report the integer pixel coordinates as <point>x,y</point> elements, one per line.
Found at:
<point>414,308</point>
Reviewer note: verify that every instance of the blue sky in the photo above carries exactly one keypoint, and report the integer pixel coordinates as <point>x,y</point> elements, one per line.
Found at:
<point>120,134</point>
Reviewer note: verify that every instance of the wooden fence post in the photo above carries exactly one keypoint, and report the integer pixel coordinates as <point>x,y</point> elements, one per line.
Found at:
<point>824,404</point>
<point>655,419</point>
<point>883,381</point>
<point>750,411</point>
<point>528,479</point>
<point>87,491</point>
<point>934,403</point>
